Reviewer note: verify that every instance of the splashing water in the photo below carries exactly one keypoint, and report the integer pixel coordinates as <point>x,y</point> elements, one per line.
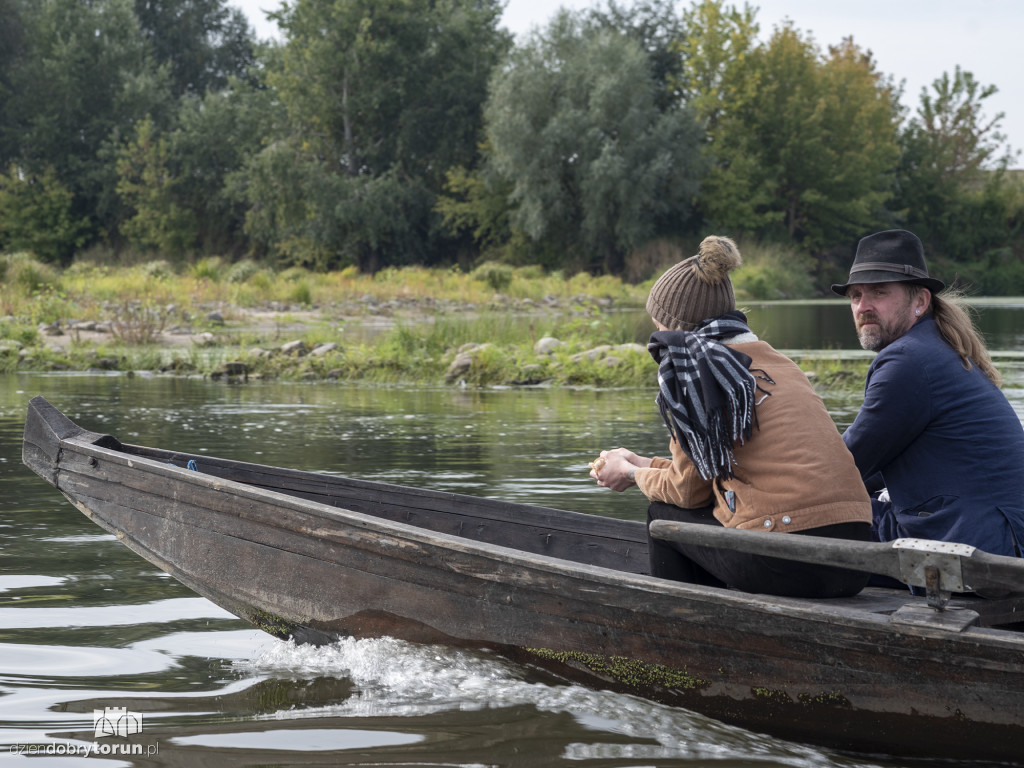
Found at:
<point>394,678</point>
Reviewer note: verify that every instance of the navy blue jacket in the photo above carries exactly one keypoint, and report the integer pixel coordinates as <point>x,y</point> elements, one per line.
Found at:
<point>948,445</point>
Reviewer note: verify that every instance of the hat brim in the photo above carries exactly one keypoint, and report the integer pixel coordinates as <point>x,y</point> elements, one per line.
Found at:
<point>882,276</point>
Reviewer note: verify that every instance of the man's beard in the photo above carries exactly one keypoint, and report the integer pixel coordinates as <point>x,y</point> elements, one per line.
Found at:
<point>880,335</point>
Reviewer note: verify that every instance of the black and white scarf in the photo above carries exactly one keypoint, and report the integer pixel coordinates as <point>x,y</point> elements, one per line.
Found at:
<point>706,391</point>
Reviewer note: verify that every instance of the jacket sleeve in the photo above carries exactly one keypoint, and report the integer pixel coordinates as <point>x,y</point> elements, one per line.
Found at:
<point>675,482</point>
<point>897,408</point>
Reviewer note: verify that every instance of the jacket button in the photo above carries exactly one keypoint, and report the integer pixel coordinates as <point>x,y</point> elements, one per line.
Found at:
<point>786,520</point>
<point>767,523</point>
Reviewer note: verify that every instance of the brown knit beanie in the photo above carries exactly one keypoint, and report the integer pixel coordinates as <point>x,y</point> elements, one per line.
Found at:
<point>697,288</point>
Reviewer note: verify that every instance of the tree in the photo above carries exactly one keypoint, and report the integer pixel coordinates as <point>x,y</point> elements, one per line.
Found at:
<point>477,203</point>
<point>958,140</point>
<point>36,216</point>
<point>79,81</point>
<point>596,168</point>
<point>204,43</point>
<point>147,188</point>
<point>658,28</point>
<point>717,80</point>
<point>83,81</point>
<point>213,140</point>
<point>714,54</point>
<point>382,98</point>
<point>807,152</point>
<point>859,150</point>
<point>953,188</point>
<point>12,52</point>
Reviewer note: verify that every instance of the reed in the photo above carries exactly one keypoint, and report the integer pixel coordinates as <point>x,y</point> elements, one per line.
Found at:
<point>138,323</point>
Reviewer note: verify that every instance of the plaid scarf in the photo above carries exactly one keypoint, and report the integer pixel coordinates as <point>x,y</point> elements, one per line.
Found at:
<point>706,391</point>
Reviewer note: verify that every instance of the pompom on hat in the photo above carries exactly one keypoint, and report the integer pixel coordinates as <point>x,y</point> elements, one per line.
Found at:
<point>893,256</point>
<point>697,288</point>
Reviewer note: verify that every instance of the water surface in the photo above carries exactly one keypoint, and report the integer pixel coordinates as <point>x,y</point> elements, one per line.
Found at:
<point>86,625</point>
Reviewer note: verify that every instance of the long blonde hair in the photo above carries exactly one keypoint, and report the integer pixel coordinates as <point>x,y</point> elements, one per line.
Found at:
<point>956,325</point>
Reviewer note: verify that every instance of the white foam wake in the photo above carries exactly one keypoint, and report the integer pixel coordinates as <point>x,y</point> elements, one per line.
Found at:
<point>393,678</point>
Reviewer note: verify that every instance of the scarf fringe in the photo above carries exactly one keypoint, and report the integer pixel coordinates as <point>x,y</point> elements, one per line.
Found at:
<point>706,392</point>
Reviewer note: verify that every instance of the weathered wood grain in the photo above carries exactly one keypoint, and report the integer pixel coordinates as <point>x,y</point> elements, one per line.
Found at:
<point>318,557</point>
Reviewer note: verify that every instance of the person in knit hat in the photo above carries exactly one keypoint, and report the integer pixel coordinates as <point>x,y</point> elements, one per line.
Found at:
<point>696,288</point>
<point>751,443</point>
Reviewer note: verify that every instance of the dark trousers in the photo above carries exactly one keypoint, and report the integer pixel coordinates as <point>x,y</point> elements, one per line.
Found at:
<point>760,574</point>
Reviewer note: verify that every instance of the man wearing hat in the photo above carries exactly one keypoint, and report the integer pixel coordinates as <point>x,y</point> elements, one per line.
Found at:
<point>935,430</point>
<point>752,444</point>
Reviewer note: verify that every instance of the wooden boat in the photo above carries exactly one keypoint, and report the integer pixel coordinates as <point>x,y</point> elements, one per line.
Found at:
<point>315,557</point>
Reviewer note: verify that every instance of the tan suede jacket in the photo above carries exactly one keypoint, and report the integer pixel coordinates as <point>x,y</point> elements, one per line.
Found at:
<point>794,473</point>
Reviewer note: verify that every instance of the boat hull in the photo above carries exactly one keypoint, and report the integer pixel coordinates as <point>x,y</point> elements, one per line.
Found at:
<point>331,557</point>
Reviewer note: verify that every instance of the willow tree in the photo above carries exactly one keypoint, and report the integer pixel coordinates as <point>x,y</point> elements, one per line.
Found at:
<point>593,166</point>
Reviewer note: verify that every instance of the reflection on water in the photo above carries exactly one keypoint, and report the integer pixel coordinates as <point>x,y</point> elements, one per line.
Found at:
<point>86,625</point>
<point>522,445</point>
<point>312,739</point>
<point>819,325</point>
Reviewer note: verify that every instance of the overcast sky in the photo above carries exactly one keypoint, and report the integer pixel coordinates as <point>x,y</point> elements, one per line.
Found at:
<point>915,41</point>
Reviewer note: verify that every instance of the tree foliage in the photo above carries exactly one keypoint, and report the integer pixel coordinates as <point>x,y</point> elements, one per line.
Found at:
<point>714,51</point>
<point>957,139</point>
<point>382,97</point>
<point>812,144</point>
<point>203,43</point>
<point>657,27</point>
<point>146,186</point>
<point>595,167</point>
<point>390,132</point>
<point>77,77</point>
<point>213,140</point>
<point>84,77</point>
<point>13,52</point>
<point>36,215</point>
<point>953,187</point>
<point>476,202</point>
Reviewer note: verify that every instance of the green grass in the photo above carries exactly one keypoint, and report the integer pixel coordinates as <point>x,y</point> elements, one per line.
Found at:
<point>494,315</point>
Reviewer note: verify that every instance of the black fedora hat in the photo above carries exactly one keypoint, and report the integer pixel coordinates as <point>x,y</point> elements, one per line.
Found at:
<point>890,257</point>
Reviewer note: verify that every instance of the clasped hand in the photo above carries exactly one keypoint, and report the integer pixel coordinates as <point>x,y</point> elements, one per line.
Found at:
<point>612,469</point>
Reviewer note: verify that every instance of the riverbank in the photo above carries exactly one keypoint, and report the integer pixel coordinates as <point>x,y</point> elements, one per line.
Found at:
<point>505,342</point>
<point>494,326</point>
<point>584,342</point>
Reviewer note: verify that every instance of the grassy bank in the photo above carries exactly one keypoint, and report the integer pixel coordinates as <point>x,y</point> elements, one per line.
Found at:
<point>46,295</point>
<point>496,325</point>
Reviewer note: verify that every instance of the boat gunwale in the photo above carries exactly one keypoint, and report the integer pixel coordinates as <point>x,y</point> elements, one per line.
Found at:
<point>843,611</point>
<point>555,515</point>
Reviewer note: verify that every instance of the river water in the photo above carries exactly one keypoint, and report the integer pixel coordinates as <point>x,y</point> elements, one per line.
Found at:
<point>87,627</point>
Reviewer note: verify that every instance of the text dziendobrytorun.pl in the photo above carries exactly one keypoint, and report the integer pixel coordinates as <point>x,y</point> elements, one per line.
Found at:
<point>84,750</point>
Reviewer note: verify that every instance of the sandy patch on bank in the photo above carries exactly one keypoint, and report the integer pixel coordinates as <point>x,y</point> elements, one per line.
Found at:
<point>271,328</point>
<point>262,323</point>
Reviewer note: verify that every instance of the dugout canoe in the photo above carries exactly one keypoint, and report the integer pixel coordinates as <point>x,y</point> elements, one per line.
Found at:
<point>316,557</point>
